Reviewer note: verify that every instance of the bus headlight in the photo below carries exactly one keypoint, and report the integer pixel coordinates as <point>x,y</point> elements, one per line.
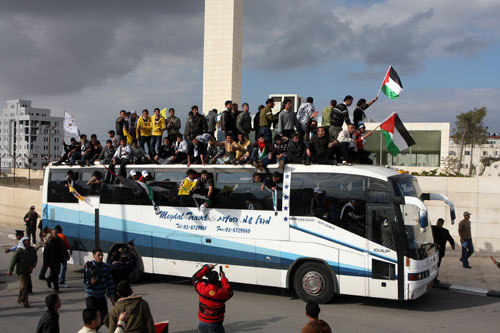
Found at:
<point>418,276</point>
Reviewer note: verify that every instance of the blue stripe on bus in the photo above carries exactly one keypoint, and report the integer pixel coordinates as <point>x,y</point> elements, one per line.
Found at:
<point>342,243</point>
<point>152,241</point>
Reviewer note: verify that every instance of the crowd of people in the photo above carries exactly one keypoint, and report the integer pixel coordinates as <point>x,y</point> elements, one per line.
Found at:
<point>298,138</point>
<point>129,312</point>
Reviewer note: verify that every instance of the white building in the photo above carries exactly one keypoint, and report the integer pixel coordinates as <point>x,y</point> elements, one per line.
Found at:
<point>27,132</point>
<point>474,158</point>
<point>222,53</point>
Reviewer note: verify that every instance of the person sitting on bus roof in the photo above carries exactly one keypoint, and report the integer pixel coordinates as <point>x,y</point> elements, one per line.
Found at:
<point>139,155</point>
<point>80,153</point>
<point>181,150</point>
<point>262,153</point>
<point>351,219</point>
<point>242,155</point>
<point>197,153</point>
<point>165,153</point>
<point>296,150</point>
<point>67,148</point>
<point>359,138</point>
<point>321,148</point>
<point>213,151</point>
<point>272,182</point>
<point>96,149</point>
<point>280,146</point>
<point>347,145</point>
<point>122,157</point>
<point>230,149</point>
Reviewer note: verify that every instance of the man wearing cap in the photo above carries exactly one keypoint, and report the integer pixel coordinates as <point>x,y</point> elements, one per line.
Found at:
<point>30,219</point>
<point>19,235</point>
<point>464,231</point>
<point>24,260</point>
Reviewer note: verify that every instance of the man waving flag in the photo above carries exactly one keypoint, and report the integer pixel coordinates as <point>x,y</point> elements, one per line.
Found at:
<point>397,138</point>
<point>392,85</point>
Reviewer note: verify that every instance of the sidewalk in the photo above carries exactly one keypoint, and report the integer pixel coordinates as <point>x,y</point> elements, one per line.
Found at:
<point>483,276</point>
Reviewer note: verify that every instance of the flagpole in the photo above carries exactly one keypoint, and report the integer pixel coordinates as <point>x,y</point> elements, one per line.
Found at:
<point>380,88</point>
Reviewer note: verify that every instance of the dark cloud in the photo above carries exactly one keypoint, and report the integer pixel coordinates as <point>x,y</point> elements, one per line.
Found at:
<point>59,47</point>
<point>466,45</point>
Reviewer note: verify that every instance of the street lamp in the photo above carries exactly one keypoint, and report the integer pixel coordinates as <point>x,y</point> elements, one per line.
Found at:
<point>49,129</point>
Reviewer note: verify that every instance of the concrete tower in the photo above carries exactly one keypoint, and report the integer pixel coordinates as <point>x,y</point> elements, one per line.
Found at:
<point>222,53</point>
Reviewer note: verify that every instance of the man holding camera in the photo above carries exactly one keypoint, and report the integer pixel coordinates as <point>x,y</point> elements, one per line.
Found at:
<point>212,296</point>
<point>98,283</point>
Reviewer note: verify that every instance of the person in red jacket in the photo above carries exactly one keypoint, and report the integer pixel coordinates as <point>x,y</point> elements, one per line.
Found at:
<point>213,296</point>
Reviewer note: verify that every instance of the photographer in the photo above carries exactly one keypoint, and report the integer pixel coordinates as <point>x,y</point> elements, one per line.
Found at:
<point>98,283</point>
<point>124,262</point>
<point>212,296</point>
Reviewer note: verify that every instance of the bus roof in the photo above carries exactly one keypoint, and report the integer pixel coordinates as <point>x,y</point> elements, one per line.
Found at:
<point>378,172</point>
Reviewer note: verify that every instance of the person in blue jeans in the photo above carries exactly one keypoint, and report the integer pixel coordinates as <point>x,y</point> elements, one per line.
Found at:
<point>464,231</point>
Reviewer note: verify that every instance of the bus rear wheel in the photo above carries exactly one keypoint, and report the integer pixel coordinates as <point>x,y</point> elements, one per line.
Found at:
<point>314,282</point>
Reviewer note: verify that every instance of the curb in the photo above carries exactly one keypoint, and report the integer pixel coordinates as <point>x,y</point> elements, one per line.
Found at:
<point>467,290</point>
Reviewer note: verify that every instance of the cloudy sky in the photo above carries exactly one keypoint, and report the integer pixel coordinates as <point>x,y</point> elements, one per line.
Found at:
<point>93,58</point>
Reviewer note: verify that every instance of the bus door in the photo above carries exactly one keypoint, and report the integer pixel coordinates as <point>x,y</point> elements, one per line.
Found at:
<point>382,258</point>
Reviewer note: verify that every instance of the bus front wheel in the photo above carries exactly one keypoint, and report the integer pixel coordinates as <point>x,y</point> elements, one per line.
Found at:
<point>313,282</point>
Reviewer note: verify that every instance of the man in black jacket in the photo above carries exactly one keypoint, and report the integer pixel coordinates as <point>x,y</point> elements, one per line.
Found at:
<point>339,115</point>
<point>195,124</point>
<point>54,255</point>
<point>441,236</point>
<point>296,150</point>
<point>49,323</point>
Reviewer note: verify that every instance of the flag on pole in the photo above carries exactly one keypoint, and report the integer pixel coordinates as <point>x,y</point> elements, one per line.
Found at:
<point>163,113</point>
<point>70,124</point>
<point>397,138</point>
<point>392,85</point>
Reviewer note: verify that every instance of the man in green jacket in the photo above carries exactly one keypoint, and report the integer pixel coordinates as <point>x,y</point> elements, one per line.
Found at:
<point>24,260</point>
<point>266,119</point>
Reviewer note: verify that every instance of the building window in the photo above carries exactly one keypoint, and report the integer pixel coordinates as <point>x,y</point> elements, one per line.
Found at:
<point>485,153</point>
<point>467,153</point>
<point>452,153</point>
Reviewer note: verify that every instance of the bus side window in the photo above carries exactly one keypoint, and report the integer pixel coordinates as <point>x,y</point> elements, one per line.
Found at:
<point>57,191</point>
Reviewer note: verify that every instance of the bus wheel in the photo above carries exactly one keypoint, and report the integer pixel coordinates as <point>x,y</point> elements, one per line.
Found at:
<point>313,282</point>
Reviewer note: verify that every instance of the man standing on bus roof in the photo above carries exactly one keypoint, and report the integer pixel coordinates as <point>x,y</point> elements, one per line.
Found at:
<point>464,231</point>
<point>212,298</point>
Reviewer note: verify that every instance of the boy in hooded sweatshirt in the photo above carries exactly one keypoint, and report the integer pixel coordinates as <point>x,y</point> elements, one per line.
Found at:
<point>140,319</point>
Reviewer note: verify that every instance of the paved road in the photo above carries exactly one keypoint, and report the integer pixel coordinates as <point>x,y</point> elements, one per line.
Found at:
<point>262,309</point>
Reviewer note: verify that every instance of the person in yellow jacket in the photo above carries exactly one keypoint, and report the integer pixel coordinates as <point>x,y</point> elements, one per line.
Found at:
<point>144,130</point>
<point>158,127</point>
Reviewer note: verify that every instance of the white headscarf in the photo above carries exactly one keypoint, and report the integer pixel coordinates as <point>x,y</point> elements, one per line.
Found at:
<point>21,243</point>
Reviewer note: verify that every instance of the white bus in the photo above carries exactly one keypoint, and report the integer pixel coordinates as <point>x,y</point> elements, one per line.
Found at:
<point>355,230</point>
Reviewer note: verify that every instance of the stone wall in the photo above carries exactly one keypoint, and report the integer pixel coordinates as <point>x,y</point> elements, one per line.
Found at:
<point>480,196</point>
<point>15,203</point>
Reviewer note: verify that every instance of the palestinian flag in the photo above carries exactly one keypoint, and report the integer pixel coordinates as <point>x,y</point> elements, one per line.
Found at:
<point>392,86</point>
<point>396,136</point>
<point>151,195</point>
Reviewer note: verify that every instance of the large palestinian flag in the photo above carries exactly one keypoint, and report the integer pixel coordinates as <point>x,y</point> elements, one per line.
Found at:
<point>392,86</point>
<point>396,136</point>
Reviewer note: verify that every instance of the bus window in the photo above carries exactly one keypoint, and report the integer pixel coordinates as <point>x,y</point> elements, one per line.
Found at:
<point>380,221</point>
<point>241,191</point>
<point>57,192</point>
<point>337,198</point>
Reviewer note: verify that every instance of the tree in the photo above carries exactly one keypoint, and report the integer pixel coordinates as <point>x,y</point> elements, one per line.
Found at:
<point>469,130</point>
